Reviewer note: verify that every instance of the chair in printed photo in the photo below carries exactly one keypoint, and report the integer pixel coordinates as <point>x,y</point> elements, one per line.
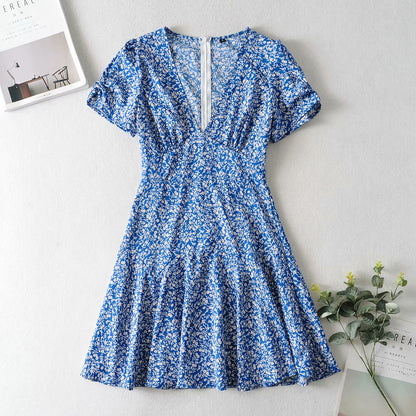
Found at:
<point>61,76</point>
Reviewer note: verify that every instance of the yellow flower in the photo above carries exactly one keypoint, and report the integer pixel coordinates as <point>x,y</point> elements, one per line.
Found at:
<point>350,280</point>
<point>401,281</point>
<point>350,276</point>
<point>315,287</point>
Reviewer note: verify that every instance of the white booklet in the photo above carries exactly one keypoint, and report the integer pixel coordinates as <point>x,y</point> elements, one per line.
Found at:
<point>395,371</point>
<point>38,60</point>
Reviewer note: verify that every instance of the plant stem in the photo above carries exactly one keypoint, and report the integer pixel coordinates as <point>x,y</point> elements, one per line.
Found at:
<point>393,295</point>
<point>368,367</point>
<point>373,358</point>
<point>373,376</point>
<point>359,355</point>
<point>365,354</point>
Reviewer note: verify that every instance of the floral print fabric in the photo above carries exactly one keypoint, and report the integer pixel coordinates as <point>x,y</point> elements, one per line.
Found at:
<point>205,291</point>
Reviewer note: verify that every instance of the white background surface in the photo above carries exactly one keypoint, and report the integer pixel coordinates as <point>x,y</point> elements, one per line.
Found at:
<point>343,186</point>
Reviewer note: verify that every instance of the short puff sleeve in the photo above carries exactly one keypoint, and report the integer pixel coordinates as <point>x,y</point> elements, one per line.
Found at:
<point>116,94</point>
<point>294,100</point>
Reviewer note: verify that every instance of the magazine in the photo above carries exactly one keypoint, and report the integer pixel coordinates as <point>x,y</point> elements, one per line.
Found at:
<point>395,371</point>
<point>38,60</point>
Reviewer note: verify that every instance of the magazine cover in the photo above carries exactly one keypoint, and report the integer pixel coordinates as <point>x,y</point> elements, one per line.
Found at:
<point>38,60</point>
<point>396,372</point>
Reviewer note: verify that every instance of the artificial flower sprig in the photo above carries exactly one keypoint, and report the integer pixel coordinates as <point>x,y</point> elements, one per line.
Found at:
<point>363,316</point>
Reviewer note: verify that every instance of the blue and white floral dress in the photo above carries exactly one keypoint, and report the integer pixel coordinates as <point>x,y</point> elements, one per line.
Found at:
<point>205,291</point>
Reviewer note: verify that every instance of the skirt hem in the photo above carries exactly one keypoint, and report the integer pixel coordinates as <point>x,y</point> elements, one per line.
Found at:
<point>302,380</point>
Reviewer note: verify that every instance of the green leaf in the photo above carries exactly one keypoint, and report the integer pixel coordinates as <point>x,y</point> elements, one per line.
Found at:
<point>341,292</point>
<point>383,342</point>
<point>323,310</point>
<point>323,297</point>
<point>364,294</point>
<point>389,335</point>
<point>368,318</point>
<point>338,338</point>
<point>396,295</point>
<point>357,305</point>
<point>377,281</point>
<point>352,328</point>
<point>332,318</point>
<point>381,295</point>
<point>327,312</point>
<point>401,281</point>
<point>365,326</point>
<point>338,302</point>
<point>367,336</point>
<point>392,308</point>
<point>380,333</point>
<point>385,318</point>
<point>365,307</point>
<point>381,305</point>
<point>352,291</point>
<point>347,309</point>
<point>378,267</point>
<point>326,293</point>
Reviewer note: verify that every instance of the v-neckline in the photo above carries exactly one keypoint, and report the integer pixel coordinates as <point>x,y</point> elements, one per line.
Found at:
<point>227,88</point>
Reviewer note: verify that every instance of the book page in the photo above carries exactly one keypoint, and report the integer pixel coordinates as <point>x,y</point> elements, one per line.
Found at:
<point>37,56</point>
<point>395,372</point>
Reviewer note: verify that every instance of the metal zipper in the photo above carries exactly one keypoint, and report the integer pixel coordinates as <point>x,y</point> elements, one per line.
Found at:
<point>205,80</point>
